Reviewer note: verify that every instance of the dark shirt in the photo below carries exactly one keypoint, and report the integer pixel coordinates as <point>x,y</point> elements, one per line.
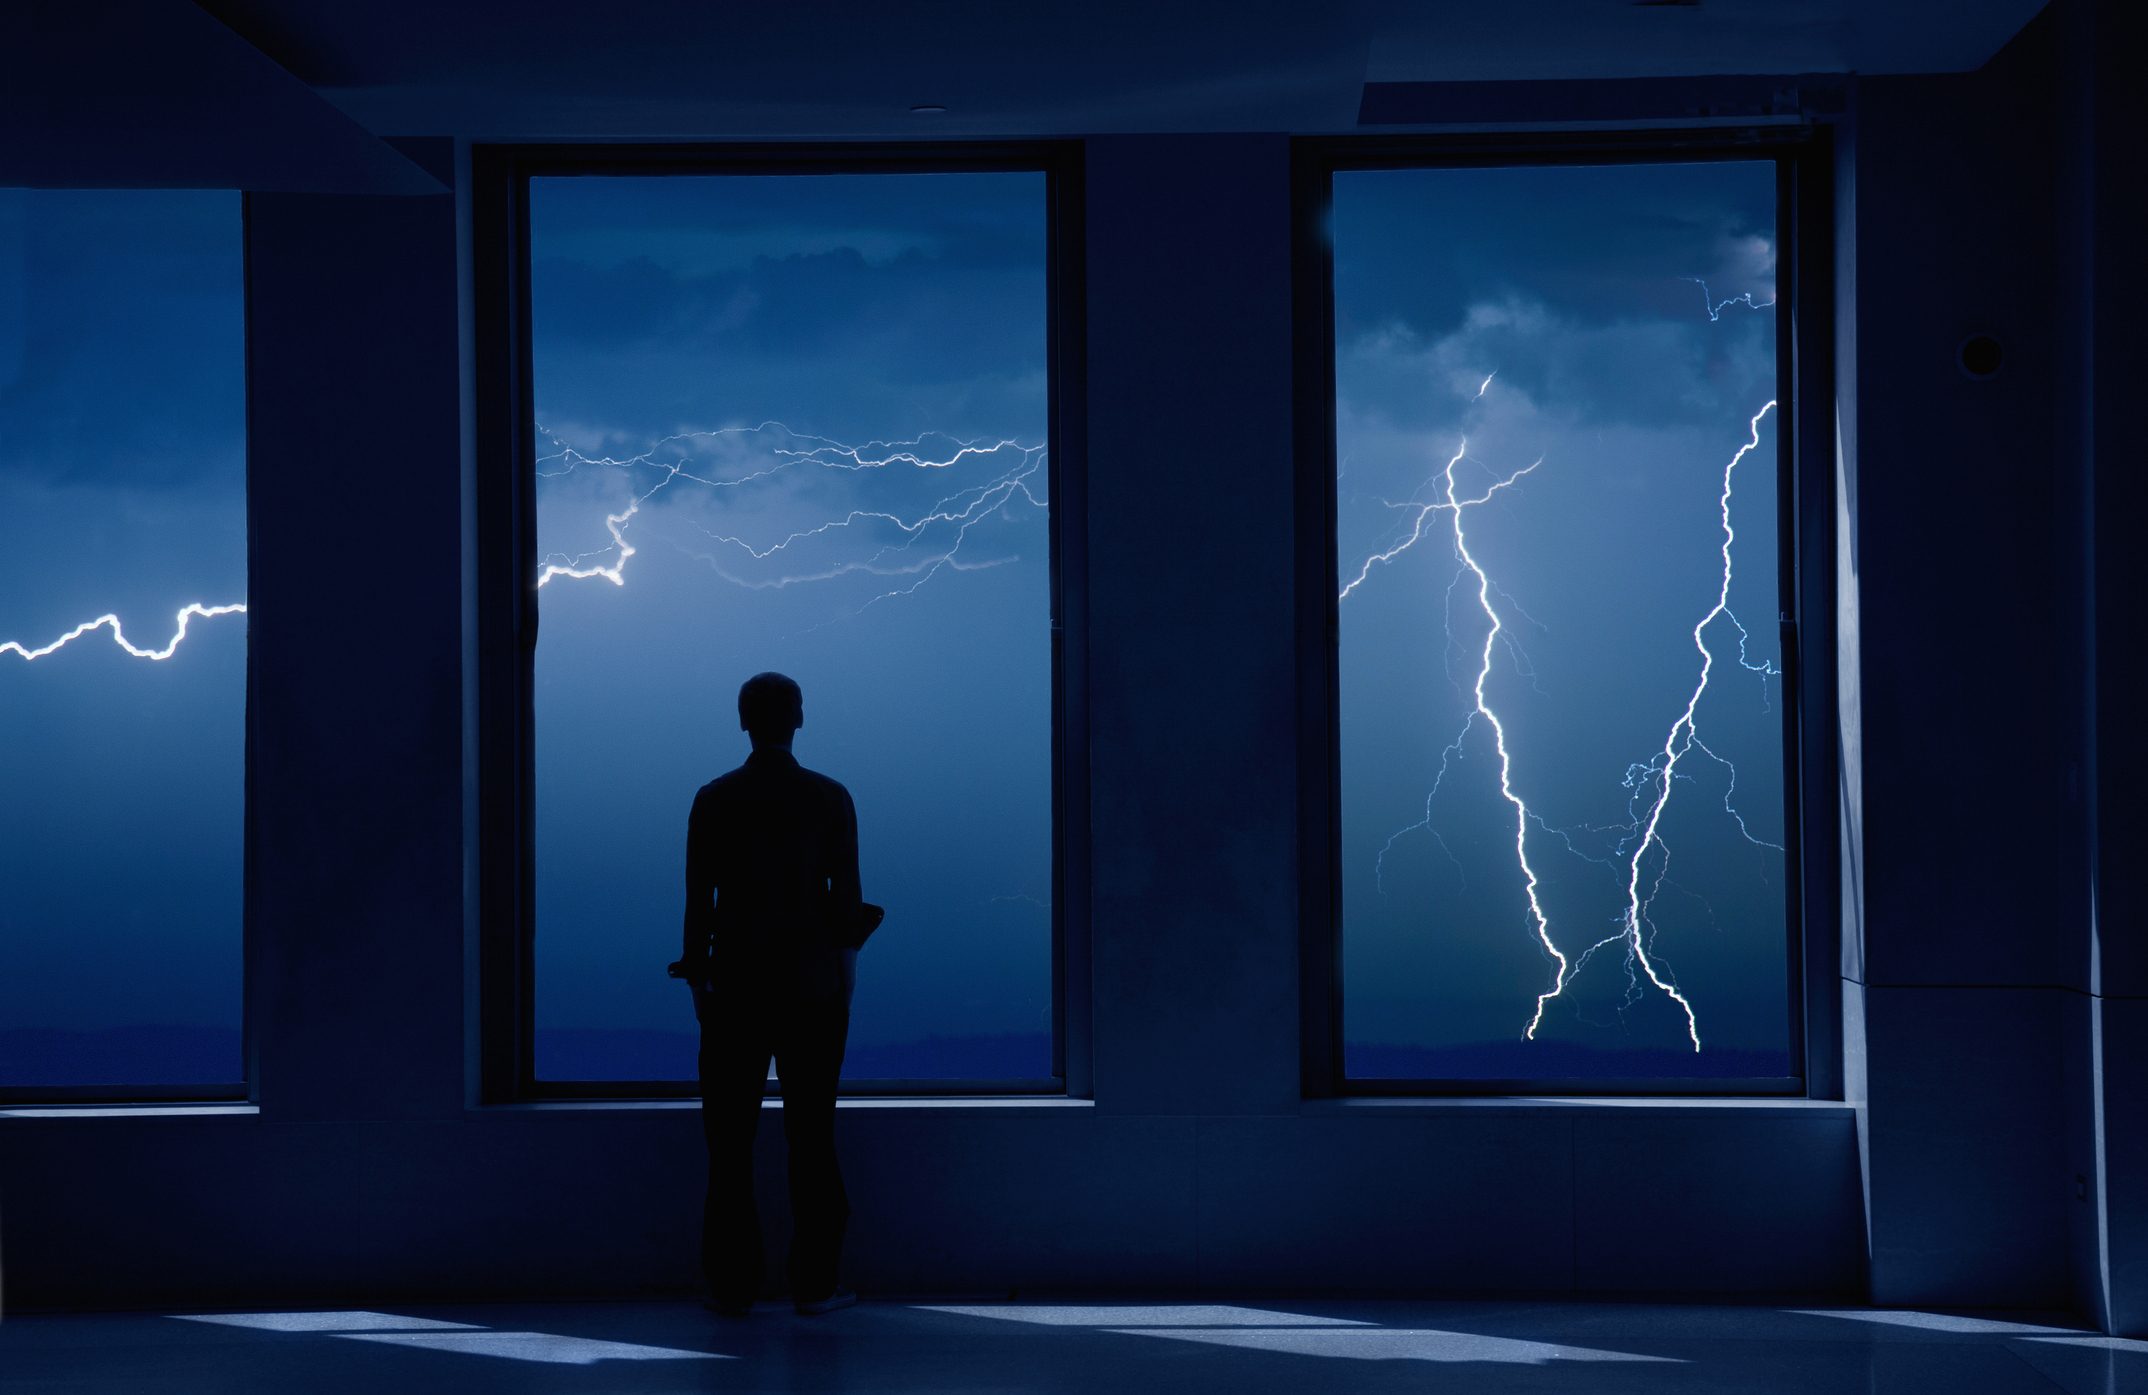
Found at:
<point>771,872</point>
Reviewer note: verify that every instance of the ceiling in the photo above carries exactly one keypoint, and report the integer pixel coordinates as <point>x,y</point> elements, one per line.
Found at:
<point>562,69</point>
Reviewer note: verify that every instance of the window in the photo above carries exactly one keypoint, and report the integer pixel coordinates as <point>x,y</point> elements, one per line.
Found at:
<point>122,641</point>
<point>1566,845</point>
<point>794,418</point>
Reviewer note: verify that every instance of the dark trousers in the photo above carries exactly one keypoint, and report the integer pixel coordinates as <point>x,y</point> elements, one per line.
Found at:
<point>740,1032</point>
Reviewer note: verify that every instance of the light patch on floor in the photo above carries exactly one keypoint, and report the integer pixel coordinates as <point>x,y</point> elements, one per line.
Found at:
<point>547,1347</point>
<point>1390,1344</point>
<point>2094,1343</point>
<point>1952,1323</point>
<point>1121,1316</point>
<point>354,1321</point>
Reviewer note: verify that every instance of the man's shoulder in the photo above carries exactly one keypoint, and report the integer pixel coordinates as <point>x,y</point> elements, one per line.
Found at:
<point>750,783</point>
<point>827,784</point>
<point>721,785</point>
<point>732,780</point>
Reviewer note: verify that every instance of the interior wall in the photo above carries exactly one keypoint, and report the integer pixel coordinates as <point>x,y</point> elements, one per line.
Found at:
<point>1998,1051</point>
<point>1973,970</point>
<point>2104,208</point>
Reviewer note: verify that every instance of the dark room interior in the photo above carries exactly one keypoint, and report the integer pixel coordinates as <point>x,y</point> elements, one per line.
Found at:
<point>1480,659</point>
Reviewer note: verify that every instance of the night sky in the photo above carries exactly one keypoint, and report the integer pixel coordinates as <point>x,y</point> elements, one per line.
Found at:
<point>741,353</point>
<point>122,489</point>
<point>1572,290</point>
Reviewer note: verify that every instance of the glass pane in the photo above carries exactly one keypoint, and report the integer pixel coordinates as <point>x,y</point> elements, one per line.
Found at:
<point>122,637</point>
<point>1562,735</point>
<point>795,422</point>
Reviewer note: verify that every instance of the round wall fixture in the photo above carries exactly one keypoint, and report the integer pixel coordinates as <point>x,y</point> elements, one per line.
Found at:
<point>1980,356</point>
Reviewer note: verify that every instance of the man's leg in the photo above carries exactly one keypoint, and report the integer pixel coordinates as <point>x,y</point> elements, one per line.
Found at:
<point>734,1076</point>
<point>809,1057</point>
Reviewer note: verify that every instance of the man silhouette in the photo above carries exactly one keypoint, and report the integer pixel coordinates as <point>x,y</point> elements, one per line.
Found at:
<point>771,905</point>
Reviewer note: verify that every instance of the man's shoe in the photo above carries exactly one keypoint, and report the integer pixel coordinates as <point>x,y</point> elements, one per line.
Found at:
<point>814,1307</point>
<point>729,1307</point>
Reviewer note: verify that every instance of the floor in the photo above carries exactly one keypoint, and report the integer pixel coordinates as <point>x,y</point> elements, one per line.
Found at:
<point>954,1348</point>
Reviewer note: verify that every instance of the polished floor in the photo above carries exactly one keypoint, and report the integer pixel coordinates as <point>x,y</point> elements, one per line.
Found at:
<point>954,1348</point>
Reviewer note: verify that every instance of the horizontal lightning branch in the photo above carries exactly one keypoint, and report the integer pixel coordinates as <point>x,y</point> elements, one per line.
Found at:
<point>1717,307</point>
<point>1424,513</point>
<point>187,615</point>
<point>959,512</point>
<point>955,514</point>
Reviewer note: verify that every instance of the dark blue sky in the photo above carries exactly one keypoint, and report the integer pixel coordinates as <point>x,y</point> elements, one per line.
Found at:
<point>122,490</point>
<point>1570,289</point>
<point>674,318</point>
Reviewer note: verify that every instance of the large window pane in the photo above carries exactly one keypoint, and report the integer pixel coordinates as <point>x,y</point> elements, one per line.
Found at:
<point>1562,732</point>
<point>795,422</point>
<point>122,637</point>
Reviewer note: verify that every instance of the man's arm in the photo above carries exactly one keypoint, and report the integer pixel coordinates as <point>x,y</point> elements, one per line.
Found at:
<point>700,919</point>
<point>843,875</point>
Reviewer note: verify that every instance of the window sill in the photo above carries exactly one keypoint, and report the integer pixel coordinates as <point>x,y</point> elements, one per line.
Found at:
<point>953,1104</point>
<point>128,1111</point>
<point>1570,1105</point>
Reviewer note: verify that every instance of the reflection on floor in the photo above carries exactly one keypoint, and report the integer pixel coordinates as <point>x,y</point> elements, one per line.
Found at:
<point>1121,1348</point>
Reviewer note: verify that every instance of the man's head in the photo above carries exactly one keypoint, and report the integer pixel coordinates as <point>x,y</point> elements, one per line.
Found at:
<point>770,708</point>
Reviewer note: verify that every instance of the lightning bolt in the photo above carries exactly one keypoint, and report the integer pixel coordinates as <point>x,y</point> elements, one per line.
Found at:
<point>615,524</point>
<point>1499,730</point>
<point>1450,502</point>
<point>1676,744</point>
<point>1424,513</point>
<point>1716,307</point>
<point>960,511</point>
<point>187,615</point>
<point>1642,855</point>
<point>1635,850</point>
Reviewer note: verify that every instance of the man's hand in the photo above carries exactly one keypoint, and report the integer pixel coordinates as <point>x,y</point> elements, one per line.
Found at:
<point>694,969</point>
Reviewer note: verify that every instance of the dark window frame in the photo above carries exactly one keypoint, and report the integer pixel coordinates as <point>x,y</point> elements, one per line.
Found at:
<point>224,1092</point>
<point>1804,172</point>
<point>506,613</point>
